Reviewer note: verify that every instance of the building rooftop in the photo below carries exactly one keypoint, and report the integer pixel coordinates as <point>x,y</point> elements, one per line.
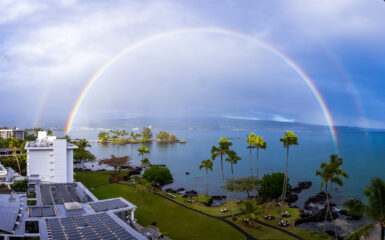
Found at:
<point>67,211</point>
<point>44,141</point>
<point>10,209</point>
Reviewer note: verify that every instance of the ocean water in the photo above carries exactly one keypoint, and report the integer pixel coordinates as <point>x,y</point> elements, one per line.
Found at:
<point>363,154</point>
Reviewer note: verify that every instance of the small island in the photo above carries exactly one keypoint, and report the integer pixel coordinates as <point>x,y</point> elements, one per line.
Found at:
<point>145,136</point>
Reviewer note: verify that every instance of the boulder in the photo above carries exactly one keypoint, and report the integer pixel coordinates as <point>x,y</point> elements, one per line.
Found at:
<point>319,198</point>
<point>316,217</point>
<point>170,190</point>
<point>305,184</point>
<point>291,198</point>
<point>180,189</point>
<point>350,216</point>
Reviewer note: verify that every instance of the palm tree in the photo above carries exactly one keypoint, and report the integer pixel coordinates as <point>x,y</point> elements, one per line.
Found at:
<point>289,139</point>
<point>143,150</point>
<point>330,173</point>
<point>251,141</point>
<point>208,165</point>
<point>259,143</point>
<point>222,150</point>
<point>375,208</point>
<point>82,145</point>
<point>145,162</point>
<point>233,158</point>
<point>249,210</point>
<point>14,143</point>
<point>82,154</point>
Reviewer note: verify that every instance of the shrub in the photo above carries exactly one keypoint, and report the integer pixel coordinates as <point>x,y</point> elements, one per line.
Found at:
<point>21,186</point>
<point>271,185</point>
<point>158,175</point>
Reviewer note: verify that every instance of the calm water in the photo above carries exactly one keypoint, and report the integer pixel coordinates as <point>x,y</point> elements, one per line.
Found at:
<point>363,154</point>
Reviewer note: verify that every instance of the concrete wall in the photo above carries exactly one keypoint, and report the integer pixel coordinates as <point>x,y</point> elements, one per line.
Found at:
<point>52,164</point>
<point>38,162</point>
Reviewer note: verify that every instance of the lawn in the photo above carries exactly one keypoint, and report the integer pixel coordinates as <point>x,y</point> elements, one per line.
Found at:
<point>178,222</point>
<point>199,205</point>
<point>173,220</point>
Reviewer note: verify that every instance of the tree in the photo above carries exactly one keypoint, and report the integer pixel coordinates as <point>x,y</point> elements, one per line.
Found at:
<point>143,150</point>
<point>14,143</point>
<point>104,137</point>
<point>242,185</point>
<point>162,136</point>
<point>116,162</point>
<point>233,158</point>
<point>330,173</point>
<point>251,141</point>
<point>355,207</point>
<point>158,175</point>
<point>21,186</point>
<point>147,133</point>
<point>145,162</point>
<point>222,150</point>
<point>49,132</point>
<point>173,137</point>
<point>208,165</point>
<point>249,210</point>
<point>271,185</point>
<point>375,209</point>
<point>288,140</point>
<point>259,143</point>
<point>81,154</point>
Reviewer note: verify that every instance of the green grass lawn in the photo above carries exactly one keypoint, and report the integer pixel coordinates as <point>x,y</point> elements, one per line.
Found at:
<point>199,205</point>
<point>177,222</point>
<point>173,220</point>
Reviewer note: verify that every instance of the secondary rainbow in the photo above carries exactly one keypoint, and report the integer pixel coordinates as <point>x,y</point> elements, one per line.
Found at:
<point>212,30</point>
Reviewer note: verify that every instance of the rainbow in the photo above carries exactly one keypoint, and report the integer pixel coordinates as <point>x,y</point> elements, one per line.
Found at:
<point>213,30</point>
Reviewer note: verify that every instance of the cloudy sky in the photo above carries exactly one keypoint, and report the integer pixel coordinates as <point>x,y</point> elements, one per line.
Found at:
<point>49,50</point>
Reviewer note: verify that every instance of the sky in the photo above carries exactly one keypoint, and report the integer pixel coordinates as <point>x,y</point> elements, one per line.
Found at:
<point>49,50</point>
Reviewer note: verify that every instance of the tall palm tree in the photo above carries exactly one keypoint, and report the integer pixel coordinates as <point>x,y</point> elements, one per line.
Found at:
<point>82,145</point>
<point>251,141</point>
<point>233,158</point>
<point>259,143</point>
<point>375,208</point>
<point>222,150</point>
<point>208,165</point>
<point>288,140</point>
<point>330,173</point>
<point>82,154</point>
<point>143,150</point>
<point>13,144</point>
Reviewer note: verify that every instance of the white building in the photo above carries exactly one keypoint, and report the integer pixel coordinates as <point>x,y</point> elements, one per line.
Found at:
<point>50,159</point>
<point>3,172</point>
<point>9,133</point>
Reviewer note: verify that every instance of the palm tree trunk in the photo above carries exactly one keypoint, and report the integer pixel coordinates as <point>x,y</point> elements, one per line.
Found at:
<point>327,210</point>
<point>330,211</point>
<point>17,160</point>
<point>206,183</point>
<point>257,167</point>
<point>284,188</point>
<point>232,174</point>
<point>382,232</point>
<point>227,194</point>
<point>252,175</point>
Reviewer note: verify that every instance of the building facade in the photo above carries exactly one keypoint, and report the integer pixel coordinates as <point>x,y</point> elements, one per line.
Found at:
<point>50,159</point>
<point>12,133</point>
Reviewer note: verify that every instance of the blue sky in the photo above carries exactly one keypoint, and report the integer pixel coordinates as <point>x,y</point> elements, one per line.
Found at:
<point>49,50</point>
